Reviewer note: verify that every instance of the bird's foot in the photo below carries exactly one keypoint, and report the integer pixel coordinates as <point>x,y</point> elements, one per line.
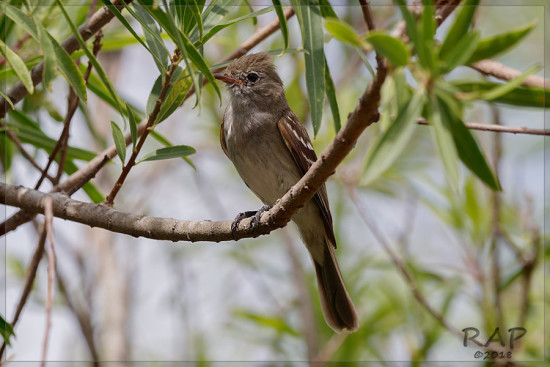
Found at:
<point>256,220</point>
<point>257,215</point>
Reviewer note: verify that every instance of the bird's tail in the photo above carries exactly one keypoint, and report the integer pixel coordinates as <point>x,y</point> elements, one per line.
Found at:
<point>336,303</point>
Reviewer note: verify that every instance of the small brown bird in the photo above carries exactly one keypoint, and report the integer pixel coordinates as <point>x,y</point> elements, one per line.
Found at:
<point>271,150</point>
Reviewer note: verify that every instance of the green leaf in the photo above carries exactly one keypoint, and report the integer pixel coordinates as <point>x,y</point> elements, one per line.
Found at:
<point>391,48</point>
<point>445,144</point>
<point>522,96</point>
<point>7,99</point>
<point>29,132</point>
<point>189,15</point>
<point>326,9</point>
<point>394,140</point>
<point>18,66</point>
<point>410,21</point>
<point>425,46</point>
<point>331,96</point>
<point>152,36</point>
<point>120,142</point>
<point>174,97</point>
<point>275,323</point>
<point>133,125</point>
<point>212,31</point>
<point>460,54</point>
<point>459,28</point>
<point>493,46</point>
<point>468,149</point>
<point>22,20</point>
<point>282,21</point>
<point>343,32</point>
<point>6,330</point>
<point>49,58</point>
<point>92,58</point>
<point>120,17</point>
<point>502,89</point>
<point>176,151</point>
<point>68,68</point>
<point>311,27</point>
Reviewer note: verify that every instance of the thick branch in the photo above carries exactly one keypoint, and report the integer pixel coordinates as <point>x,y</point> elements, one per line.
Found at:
<point>170,229</point>
<point>86,30</point>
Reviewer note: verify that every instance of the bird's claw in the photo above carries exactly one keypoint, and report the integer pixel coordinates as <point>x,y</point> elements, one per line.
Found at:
<point>256,219</point>
<point>257,215</point>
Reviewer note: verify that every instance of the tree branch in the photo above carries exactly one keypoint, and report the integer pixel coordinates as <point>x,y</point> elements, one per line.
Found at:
<point>86,30</point>
<point>501,71</point>
<point>497,128</point>
<point>75,181</point>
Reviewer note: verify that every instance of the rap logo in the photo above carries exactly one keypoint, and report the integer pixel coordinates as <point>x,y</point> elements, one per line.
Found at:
<point>515,334</point>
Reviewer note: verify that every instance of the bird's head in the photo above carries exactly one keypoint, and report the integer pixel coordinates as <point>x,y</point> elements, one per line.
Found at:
<point>253,78</point>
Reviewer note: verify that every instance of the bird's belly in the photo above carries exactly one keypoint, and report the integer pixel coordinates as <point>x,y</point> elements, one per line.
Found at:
<point>268,174</point>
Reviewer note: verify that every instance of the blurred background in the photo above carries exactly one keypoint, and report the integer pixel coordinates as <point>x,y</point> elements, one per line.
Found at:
<point>407,243</point>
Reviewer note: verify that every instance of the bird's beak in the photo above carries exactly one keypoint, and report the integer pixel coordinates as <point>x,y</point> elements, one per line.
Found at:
<point>224,78</point>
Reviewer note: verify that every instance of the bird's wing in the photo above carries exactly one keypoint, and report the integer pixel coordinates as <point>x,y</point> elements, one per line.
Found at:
<point>222,138</point>
<point>297,141</point>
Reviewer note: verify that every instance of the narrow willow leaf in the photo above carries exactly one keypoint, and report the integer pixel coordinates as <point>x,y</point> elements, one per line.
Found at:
<point>32,134</point>
<point>459,28</point>
<point>445,144</point>
<point>176,151</point>
<point>18,66</point>
<point>175,97</point>
<point>311,27</point>
<point>493,46</point>
<point>133,125</point>
<point>391,48</point>
<point>343,32</point>
<point>92,58</point>
<point>68,68</point>
<point>212,31</point>
<point>282,21</point>
<point>130,29</point>
<point>327,11</point>
<point>410,21</point>
<point>22,20</point>
<point>394,140</point>
<point>468,150</point>
<point>460,54</point>
<point>193,7</point>
<point>152,36</point>
<point>6,330</point>
<point>501,89</point>
<point>120,143</point>
<point>49,58</point>
<point>331,96</point>
<point>521,96</point>
<point>7,99</point>
<point>425,46</point>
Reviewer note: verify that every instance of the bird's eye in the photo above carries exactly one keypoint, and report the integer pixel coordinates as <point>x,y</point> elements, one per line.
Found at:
<point>252,77</point>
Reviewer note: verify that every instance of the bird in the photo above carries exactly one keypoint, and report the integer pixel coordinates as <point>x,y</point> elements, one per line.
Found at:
<point>271,150</point>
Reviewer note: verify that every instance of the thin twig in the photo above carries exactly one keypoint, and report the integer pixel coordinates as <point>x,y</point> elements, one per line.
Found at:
<point>150,124</point>
<point>367,15</point>
<point>48,214</point>
<point>501,71</point>
<point>83,318</point>
<point>497,128</point>
<point>23,151</point>
<point>496,230</point>
<point>29,280</point>
<point>371,224</point>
